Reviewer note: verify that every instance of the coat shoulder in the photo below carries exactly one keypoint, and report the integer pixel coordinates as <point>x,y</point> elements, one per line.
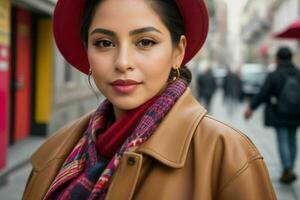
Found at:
<point>233,154</point>
<point>60,143</point>
<point>228,135</point>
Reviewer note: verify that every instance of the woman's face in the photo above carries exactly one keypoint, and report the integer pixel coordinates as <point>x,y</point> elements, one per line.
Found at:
<point>130,52</point>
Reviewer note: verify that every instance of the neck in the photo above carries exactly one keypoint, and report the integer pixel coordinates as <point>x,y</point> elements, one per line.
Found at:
<point>118,112</point>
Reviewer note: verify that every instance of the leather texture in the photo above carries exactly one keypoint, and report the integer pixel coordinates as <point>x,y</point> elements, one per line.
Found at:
<point>190,156</point>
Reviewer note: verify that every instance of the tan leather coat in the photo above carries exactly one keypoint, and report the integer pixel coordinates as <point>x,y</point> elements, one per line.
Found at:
<point>190,156</point>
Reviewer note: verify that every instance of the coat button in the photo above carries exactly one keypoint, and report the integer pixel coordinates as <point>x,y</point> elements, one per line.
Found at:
<point>131,161</point>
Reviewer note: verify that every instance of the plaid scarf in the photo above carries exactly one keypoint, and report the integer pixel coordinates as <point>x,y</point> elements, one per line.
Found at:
<point>86,173</point>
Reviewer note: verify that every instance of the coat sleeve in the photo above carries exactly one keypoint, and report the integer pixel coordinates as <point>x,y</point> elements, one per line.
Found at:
<point>251,182</point>
<point>264,93</point>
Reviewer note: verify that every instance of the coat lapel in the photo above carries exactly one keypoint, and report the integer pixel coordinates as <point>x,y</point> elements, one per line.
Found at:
<point>169,144</point>
<point>67,137</point>
<point>48,159</point>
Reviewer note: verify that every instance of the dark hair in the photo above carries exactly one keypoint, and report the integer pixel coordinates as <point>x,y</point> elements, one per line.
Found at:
<point>167,11</point>
<point>185,74</point>
<point>171,18</point>
<point>284,54</point>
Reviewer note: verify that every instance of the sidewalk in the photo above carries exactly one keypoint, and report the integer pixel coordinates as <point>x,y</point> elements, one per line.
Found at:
<point>19,155</point>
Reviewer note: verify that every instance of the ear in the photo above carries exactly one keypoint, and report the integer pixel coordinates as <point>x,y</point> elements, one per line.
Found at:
<point>179,51</point>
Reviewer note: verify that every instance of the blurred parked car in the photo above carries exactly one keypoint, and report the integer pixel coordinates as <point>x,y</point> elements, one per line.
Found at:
<point>252,77</point>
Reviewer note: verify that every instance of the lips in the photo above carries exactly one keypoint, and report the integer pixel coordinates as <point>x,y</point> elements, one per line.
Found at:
<point>125,82</point>
<point>125,86</point>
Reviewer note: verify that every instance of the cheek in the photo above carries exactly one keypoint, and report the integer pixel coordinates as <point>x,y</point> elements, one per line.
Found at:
<point>159,67</point>
<point>98,72</point>
<point>98,68</point>
<point>157,63</point>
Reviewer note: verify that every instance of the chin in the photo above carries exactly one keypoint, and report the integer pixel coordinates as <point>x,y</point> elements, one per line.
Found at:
<point>127,105</point>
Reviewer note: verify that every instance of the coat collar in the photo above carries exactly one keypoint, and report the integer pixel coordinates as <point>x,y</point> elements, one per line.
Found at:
<point>169,144</point>
<point>60,144</point>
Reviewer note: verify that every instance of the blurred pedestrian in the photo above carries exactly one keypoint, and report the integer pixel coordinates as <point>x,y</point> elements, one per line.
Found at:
<point>281,93</point>
<point>231,90</point>
<point>206,87</point>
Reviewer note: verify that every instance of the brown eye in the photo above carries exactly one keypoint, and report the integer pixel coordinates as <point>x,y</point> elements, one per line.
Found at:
<point>146,43</point>
<point>104,44</point>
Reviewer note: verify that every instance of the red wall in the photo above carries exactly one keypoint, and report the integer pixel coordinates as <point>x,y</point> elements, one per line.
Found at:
<point>4,94</point>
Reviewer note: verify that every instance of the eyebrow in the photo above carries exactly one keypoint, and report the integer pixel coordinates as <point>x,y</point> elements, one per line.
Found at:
<point>143,30</point>
<point>133,32</point>
<point>104,31</point>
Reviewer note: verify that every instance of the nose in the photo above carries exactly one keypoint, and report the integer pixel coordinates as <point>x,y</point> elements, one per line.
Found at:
<point>124,59</point>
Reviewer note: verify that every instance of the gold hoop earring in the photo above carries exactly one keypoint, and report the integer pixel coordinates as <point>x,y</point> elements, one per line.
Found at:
<point>177,73</point>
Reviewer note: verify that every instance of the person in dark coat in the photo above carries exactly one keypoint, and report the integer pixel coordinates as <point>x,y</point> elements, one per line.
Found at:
<point>285,124</point>
<point>231,86</point>
<point>206,85</point>
<point>231,90</point>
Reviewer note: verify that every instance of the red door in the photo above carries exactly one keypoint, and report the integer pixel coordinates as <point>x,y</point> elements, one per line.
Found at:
<point>22,74</point>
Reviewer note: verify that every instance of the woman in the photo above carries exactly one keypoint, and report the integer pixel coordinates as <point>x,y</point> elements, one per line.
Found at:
<point>150,139</point>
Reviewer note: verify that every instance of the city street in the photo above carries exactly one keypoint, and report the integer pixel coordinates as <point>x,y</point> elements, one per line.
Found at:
<point>261,136</point>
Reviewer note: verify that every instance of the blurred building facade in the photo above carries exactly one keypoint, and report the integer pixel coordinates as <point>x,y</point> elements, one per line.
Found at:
<point>215,52</point>
<point>206,54</point>
<point>220,53</point>
<point>216,45</point>
<point>39,91</point>
<point>261,20</point>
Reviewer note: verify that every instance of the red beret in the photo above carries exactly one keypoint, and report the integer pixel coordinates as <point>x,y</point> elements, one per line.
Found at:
<point>68,17</point>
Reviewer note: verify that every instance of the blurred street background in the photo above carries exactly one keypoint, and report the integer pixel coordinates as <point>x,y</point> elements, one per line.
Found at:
<point>40,91</point>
